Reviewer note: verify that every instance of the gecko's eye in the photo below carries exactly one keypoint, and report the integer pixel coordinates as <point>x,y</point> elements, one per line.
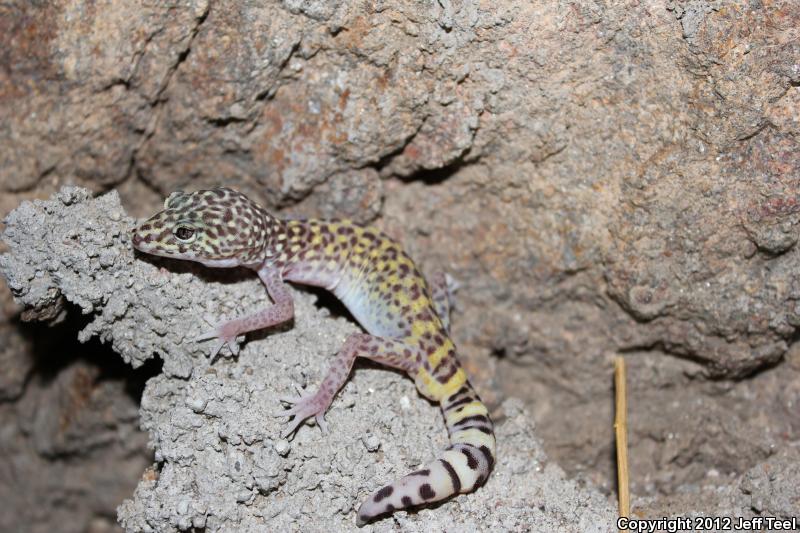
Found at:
<point>184,233</point>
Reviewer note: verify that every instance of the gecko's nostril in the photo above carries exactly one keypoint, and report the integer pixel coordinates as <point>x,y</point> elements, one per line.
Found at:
<point>137,240</point>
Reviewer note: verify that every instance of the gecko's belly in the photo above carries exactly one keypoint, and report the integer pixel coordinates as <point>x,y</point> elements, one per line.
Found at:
<point>374,315</point>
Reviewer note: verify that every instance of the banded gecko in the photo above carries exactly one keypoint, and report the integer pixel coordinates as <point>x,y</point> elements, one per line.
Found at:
<point>405,319</point>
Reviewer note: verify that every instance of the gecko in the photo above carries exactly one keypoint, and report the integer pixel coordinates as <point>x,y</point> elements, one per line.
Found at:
<point>405,320</point>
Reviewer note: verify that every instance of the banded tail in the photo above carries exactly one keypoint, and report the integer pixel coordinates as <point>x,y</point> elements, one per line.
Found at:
<point>462,467</point>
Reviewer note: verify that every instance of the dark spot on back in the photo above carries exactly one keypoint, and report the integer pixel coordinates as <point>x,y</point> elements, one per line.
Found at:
<point>472,462</point>
<point>452,368</point>
<point>384,493</point>
<point>426,492</point>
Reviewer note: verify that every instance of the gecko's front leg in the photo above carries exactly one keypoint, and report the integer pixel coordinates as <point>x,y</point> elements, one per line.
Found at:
<point>282,310</point>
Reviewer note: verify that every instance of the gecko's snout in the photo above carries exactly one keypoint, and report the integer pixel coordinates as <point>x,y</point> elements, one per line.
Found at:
<point>137,240</point>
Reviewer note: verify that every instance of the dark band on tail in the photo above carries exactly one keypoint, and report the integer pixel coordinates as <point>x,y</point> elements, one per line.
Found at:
<point>462,467</point>
<point>453,476</point>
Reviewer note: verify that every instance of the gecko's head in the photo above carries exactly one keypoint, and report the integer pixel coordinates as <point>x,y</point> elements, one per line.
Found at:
<point>218,227</point>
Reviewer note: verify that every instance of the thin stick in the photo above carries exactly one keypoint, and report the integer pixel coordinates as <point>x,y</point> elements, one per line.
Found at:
<point>621,429</point>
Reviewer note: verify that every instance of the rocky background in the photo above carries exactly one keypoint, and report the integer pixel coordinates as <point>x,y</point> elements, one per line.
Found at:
<point>601,177</point>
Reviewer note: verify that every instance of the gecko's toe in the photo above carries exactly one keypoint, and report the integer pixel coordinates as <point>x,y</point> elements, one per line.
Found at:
<point>292,428</point>
<point>207,336</point>
<point>303,407</point>
<point>216,349</point>
<point>210,334</point>
<point>289,399</point>
<point>323,426</point>
<point>234,346</point>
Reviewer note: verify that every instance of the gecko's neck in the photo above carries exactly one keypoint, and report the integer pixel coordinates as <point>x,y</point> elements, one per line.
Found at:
<point>264,239</point>
<point>296,241</point>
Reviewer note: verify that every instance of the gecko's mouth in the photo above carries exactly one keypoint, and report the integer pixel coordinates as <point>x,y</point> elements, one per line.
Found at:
<point>141,244</point>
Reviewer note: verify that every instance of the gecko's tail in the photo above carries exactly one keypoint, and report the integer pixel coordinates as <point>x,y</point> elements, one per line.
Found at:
<point>463,466</point>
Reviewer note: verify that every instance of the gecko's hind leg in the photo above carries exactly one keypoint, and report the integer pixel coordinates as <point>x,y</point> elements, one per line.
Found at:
<point>443,288</point>
<point>389,352</point>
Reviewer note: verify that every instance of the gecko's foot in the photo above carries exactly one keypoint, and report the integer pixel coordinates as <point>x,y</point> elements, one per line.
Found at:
<point>305,406</point>
<point>452,285</point>
<point>225,334</point>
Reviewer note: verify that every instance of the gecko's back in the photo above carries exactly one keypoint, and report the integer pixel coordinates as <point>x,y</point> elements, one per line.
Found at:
<point>366,270</point>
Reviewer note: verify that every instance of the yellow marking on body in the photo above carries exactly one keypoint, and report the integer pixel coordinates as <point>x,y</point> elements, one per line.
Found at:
<point>473,408</point>
<point>455,382</point>
<point>475,437</point>
<point>419,327</point>
<point>430,387</point>
<point>441,351</point>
